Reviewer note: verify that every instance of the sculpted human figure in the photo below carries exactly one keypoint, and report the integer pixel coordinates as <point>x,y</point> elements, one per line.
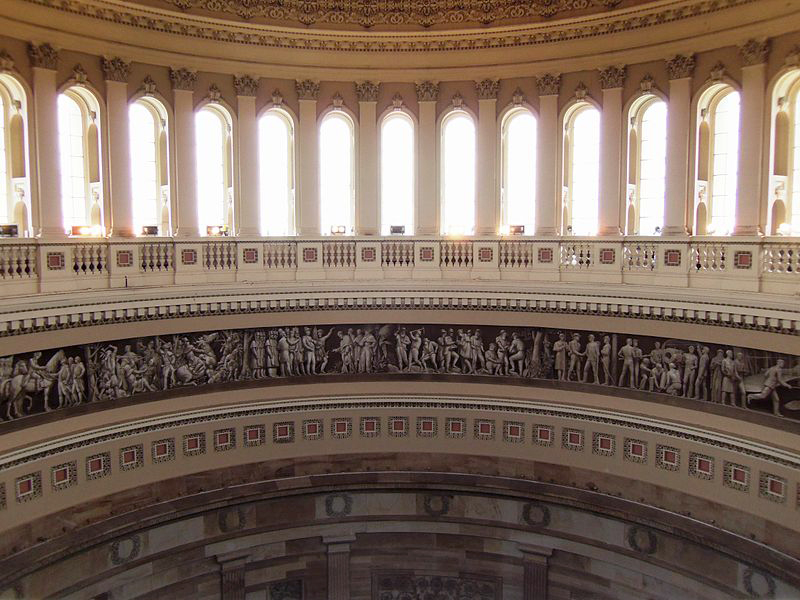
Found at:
<point>368,351</point>
<point>560,351</point>
<point>657,377</point>
<point>689,371</point>
<point>773,377</point>
<point>358,346</point>
<point>657,354</point>
<point>673,383</point>
<point>416,346</point>
<point>502,344</point>
<point>450,354</point>
<point>309,351</point>
<point>78,385</point>
<point>729,378</point>
<point>516,352</point>
<point>64,383</point>
<point>478,353</point>
<point>626,353</point>
<point>464,341</point>
<point>716,376</point>
<point>258,351</point>
<point>646,374</point>
<point>637,360</point>
<point>605,360</point>
<point>441,351</point>
<point>493,364</point>
<point>592,363</point>
<point>284,354</point>
<point>742,371</point>
<point>575,355</point>
<point>401,347</point>
<point>295,352</point>
<point>430,353</point>
<point>273,361</point>
<point>346,351</point>
<point>703,364</point>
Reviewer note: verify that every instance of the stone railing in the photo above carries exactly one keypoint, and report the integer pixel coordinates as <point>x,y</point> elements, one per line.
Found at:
<point>746,264</point>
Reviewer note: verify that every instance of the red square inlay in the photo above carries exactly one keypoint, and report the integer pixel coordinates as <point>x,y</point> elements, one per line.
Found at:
<point>743,259</point>
<point>669,457</point>
<point>250,255</point>
<point>193,443</point>
<point>607,256</point>
<point>776,486</point>
<point>95,465</point>
<point>25,486</point>
<point>369,425</point>
<point>124,258</point>
<point>312,429</point>
<point>283,431</point>
<point>398,425</point>
<point>739,475</point>
<point>341,426</point>
<point>189,256</point>
<point>426,254</point>
<point>61,475</point>
<point>672,258</point>
<point>703,465</point>
<point>161,449</point>
<point>455,426</point>
<point>485,428</point>
<point>309,255</point>
<point>513,430</point>
<point>544,434</point>
<point>574,438</point>
<point>545,255</point>
<point>427,426</point>
<point>129,456</point>
<point>485,254</point>
<point>55,261</point>
<point>637,449</point>
<point>368,254</point>
<point>253,434</point>
<point>605,443</point>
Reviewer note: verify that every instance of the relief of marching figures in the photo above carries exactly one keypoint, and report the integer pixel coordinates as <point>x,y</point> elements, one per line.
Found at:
<point>43,381</point>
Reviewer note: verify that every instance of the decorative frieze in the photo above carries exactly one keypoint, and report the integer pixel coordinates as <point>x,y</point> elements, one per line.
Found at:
<point>182,78</point>
<point>548,84</point>
<point>307,89</point>
<point>427,91</point>
<point>754,52</point>
<point>680,66</point>
<point>245,85</point>
<point>43,56</point>
<point>613,77</point>
<point>487,89</point>
<point>116,69</point>
<point>367,91</point>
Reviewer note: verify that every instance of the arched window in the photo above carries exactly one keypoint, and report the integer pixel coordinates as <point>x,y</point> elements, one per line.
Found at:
<point>337,173</point>
<point>13,155</point>
<point>397,172</point>
<point>214,162</point>
<point>582,170</point>
<point>276,185</point>
<point>79,146</point>
<point>784,209</point>
<point>518,158</point>
<point>458,174</point>
<point>717,161</point>
<point>647,158</point>
<point>149,165</point>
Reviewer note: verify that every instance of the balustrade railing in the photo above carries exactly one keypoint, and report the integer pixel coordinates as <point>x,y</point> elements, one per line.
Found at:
<point>752,264</point>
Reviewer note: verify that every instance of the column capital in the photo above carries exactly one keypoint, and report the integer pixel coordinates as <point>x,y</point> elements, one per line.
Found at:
<point>680,66</point>
<point>307,89</point>
<point>548,84</point>
<point>367,91</point>
<point>43,56</point>
<point>754,52</point>
<point>116,69</point>
<point>182,78</point>
<point>427,91</point>
<point>245,85</point>
<point>613,77</point>
<point>487,89</point>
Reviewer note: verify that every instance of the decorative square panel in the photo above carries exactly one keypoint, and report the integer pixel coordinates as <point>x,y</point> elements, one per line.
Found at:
<point>312,429</point>
<point>485,255</point>
<point>484,429</point>
<point>3,499</point>
<point>427,426</point>
<point>635,450</point>
<point>604,444</point>
<point>513,431</point>
<point>368,254</point>
<point>736,476</point>
<point>772,487</point>
<point>64,475</point>
<point>98,465</point>
<point>743,259</point>
<point>189,256</point>
<point>341,427</point>
<point>309,255</point>
<point>545,255</point>
<point>543,435</point>
<point>250,256</point>
<point>55,261</point>
<point>283,432</point>
<point>27,487</point>
<point>668,458</point>
<point>163,450</point>
<point>701,465</point>
<point>608,256</point>
<point>398,426</point>
<point>426,254</point>
<point>672,257</point>
<point>194,444</point>
<point>455,427</point>
<point>254,435</point>
<point>572,439</point>
<point>131,457</point>
<point>124,258</point>
<point>370,426</point>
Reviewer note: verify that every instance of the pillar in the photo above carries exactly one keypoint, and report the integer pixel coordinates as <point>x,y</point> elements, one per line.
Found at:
<point>188,219</point>
<point>751,131</point>
<point>611,81</point>
<point>308,206</point>
<point>427,217</point>
<point>44,60</point>
<point>249,195</point>
<point>679,128</point>
<point>368,213</point>
<point>535,567</point>
<point>548,195</point>
<point>233,582</point>
<point>116,72</point>
<point>487,203</point>
<point>338,567</point>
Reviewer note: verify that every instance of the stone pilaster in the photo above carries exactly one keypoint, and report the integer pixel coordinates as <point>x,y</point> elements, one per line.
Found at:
<point>427,217</point>
<point>610,188</point>
<point>548,196</point>
<point>338,566</point>
<point>367,201</point>
<point>487,202</point>
<point>249,212</point>
<point>188,219</point>
<point>535,572</point>
<point>680,69</point>
<point>308,205</point>
<point>116,72</point>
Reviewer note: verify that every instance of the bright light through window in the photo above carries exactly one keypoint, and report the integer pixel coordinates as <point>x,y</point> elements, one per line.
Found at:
<point>725,165</point>
<point>73,167</point>
<point>458,175</point>
<point>397,172</point>
<point>3,168</point>
<point>336,173</point>
<point>519,170</point>
<point>796,169</point>
<point>211,136</point>
<point>276,174</point>
<point>585,171</point>
<point>144,165</point>
<point>652,168</point>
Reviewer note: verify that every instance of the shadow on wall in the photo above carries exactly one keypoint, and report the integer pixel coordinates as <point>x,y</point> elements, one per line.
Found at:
<point>40,382</point>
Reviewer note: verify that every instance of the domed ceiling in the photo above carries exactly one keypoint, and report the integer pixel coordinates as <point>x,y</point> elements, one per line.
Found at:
<point>392,15</point>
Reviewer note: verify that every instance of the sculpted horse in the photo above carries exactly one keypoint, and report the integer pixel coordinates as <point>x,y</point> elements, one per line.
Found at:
<point>15,390</point>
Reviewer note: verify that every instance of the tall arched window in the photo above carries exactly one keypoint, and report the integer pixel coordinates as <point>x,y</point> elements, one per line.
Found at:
<point>647,158</point>
<point>784,207</point>
<point>582,170</point>
<point>518,158</point>
<point>214,162</point>
<point>13,155</point>
<point>717,161</point>
<point>337,173</point>
<point>276,185</point>
<point>149,165</point>
<point>458,174</point>
<point>79,146</point>
<point>397,172</point>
